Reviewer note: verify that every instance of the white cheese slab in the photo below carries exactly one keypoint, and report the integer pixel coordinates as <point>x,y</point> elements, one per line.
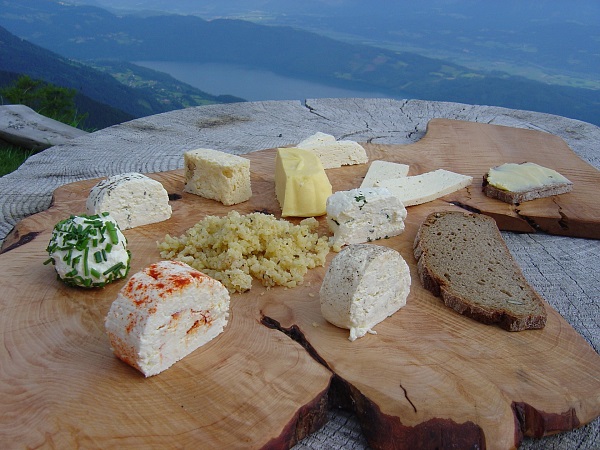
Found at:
<point>383,170</point>
<point>418,189</point>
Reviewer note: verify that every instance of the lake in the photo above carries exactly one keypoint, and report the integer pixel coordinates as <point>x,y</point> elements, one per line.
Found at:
<point>250,83</point>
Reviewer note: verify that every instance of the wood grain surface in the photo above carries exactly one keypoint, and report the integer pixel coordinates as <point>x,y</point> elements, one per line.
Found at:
<point>429,378</point>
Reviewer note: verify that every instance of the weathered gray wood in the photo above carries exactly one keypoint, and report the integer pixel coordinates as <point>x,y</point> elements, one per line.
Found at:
<point>564,270</point>
<point>22,126</point>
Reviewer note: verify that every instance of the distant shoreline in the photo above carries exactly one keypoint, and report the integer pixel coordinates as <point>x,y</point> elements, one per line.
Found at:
<point>254,84</point>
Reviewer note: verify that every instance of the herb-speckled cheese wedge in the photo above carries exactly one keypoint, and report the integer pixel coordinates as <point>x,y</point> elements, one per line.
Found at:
<point>363,215</point>
<point>132,199</point>
<point>364,284</point>
<point>89,250</point>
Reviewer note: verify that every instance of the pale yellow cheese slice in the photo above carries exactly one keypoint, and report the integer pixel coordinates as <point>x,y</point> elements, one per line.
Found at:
<point>418,189</point>
<point>383,170</point>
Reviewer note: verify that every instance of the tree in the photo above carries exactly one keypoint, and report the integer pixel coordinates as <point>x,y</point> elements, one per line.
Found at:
<point>52,101</point>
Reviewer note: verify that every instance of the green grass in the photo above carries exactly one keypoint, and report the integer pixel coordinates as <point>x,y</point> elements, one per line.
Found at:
<point>11,157</point>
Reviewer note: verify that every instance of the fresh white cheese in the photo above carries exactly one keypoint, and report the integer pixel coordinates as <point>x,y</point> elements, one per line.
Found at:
<point>426,187</point>
<point>363,285</point>
<point>316,139</point>
<point>334,153</point>
<point>383,170</point>
<point>363,215</point>
<point>132,199</point>
<point>164,313</point>
<point>217,175</point>
<point>89,250</point>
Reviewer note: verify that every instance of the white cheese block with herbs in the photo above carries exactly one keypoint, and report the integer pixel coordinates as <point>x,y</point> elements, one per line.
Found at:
<point>132,199</point>
<point>333,153</point>
<point>88,250</point>
<point>217,176</point>
<point>383,170</point>
<point>418,189</point>
<point>163,313</point>
<point>364,284</point>
<point>363,215</point>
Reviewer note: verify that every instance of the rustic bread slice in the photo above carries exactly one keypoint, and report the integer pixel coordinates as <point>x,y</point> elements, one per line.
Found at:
<point>463,259</point>
<point>518,183</point>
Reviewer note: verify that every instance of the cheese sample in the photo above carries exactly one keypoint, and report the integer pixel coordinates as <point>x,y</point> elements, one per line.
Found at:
<point>426,187</point>
<point>132,199</point>
<point>217,176</point>
<point>364,284</point>
<point>164,313</point>
<point>363,215</point>
<point>334,153</point>
<point>523,177</point>
<point>88,251</point>
<point>301,184</point>
<point>316,139</point>
<point>383,170</point>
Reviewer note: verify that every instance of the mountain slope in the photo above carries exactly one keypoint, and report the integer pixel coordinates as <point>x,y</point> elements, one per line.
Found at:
<point>86,32</point>
<point>106,100</point>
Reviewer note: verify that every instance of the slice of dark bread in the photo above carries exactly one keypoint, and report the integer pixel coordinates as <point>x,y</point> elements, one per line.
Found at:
<point>545,189</point>
<point>463,259</point>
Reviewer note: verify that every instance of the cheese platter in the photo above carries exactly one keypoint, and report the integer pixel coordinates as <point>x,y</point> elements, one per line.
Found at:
<point>428,378</point>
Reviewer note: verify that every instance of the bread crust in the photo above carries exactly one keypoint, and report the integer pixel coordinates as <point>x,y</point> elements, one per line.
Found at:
<point>507,317</point>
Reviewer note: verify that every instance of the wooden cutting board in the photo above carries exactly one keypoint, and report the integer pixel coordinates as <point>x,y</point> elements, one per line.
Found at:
<point>429,378</point>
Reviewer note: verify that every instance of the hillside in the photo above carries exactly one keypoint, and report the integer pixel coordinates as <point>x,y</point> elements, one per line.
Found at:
<point>105,99</point>
<point>84,32</point>
<point>98,114</point>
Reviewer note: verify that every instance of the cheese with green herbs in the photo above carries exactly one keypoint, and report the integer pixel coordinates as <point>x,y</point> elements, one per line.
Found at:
<point>132,199</point>
<point>363,215</point>
<point>88,250</point>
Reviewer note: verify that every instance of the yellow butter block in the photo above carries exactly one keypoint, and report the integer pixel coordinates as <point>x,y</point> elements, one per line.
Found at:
<point>301,184</point>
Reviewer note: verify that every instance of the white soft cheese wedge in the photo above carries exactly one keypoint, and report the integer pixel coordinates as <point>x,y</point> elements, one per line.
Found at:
<point>164,313</point>
<point>363,285</point>
<point>418,189</point>
<point>363,215</point>
<point>316,139</point>
<point>132,199</point>
<point>383,170</point>
<point>334,153</point>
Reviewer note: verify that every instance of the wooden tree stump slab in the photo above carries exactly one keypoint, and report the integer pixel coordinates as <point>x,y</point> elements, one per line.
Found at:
<point>430,378</point>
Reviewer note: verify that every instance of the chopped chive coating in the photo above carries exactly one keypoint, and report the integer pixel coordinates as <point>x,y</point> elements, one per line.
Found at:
<point>82,246</point>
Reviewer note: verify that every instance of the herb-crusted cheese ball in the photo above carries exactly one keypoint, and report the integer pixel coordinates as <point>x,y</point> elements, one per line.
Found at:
<point>132,199</point>
<point>89,250</point>
<point>217,175</point>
